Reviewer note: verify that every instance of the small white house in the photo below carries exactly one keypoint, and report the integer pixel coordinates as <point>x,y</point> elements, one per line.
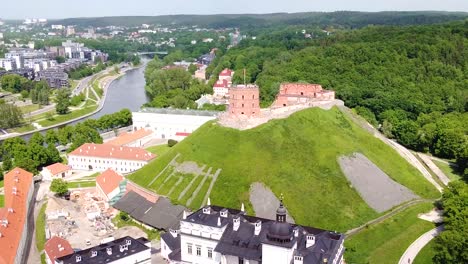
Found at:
<point>54,171</point>
<point>108,184</point>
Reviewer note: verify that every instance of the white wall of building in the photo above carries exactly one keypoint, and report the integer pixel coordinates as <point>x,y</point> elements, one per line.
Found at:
<point>201,236</point>
<point>167,125</point>
<point>48,176</point>
<point>99,164</point>
<point>109,196</point>
<point>277,255</point>
<point>220,91</point>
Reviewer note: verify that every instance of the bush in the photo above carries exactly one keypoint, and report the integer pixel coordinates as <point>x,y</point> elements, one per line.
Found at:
<point>172,142</point>
<point>59,187</point>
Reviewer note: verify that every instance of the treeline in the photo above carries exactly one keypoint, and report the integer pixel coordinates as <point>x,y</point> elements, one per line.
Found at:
<point>10,115</point>
<point>39,92</point>
<point>408,81</point>
<point>85,71</point>
<point>41,150</point>
<point>173,87</point>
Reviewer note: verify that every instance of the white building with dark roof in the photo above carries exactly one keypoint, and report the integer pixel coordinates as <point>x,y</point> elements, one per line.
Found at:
<point>119,251</point>
<point>215,234</point>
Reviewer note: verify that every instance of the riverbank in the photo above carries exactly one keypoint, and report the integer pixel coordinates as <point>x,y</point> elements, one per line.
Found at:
<point>85,112</point>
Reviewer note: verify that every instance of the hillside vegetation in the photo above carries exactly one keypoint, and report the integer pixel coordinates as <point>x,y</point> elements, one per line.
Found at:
<point>296,156</point>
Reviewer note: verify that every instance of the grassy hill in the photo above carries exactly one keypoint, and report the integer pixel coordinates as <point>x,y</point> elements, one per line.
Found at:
<point>296,156</point>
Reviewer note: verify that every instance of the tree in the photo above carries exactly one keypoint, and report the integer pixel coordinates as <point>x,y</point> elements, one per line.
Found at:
<point>192,69</point>
<point>60,59</point>
<point>36,138</point>
<point>451,244</point>
<point>51,137</point>
<point>63,101</point>
<point>59,187</point>
<point>10,116</point>
<point>53,154</point>
<point>7,164</point>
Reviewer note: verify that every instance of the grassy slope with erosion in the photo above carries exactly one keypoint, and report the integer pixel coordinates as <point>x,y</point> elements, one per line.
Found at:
<point>297,156</point>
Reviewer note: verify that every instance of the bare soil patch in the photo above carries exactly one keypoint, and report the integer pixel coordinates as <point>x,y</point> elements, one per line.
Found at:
<point>265,202</point>
<point>376,188</point>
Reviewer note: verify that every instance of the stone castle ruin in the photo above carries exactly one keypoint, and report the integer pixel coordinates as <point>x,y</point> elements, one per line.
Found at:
<point>244,103</point>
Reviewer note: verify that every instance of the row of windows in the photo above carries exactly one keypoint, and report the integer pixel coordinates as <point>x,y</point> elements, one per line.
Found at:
<point>233,105</point>
<point>198,250</point>
<point>234,96</point>
<point>109,162</point>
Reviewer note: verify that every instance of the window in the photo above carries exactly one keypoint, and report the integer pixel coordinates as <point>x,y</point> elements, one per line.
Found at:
<point>189,249</point>
<point>241,261</point>
<point>242,97</point>
<point>198,250</point>
<point>210,253</point>
<point>242,105</point>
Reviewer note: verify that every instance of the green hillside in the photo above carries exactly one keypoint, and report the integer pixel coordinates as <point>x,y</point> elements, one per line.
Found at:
<point>296,156</point>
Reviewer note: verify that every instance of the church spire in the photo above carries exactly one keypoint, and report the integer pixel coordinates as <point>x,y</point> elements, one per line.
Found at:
<point>281,211</point>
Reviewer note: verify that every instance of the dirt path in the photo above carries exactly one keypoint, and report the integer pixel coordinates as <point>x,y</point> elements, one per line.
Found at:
<point>431,165</point>
<point>384,217</point>
<point>404,152</point>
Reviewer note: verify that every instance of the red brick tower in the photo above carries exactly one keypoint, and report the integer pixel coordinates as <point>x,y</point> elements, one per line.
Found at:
<point>244,100</point>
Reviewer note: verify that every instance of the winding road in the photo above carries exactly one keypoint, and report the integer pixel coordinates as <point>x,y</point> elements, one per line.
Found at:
<point>413,250</point>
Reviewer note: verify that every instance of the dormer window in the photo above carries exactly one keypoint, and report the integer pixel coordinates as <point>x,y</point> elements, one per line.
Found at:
<point>224,213</point>
<point>93,253</point>
<point>78,258</point>
<point>128,242</point>
<point>109,251</point>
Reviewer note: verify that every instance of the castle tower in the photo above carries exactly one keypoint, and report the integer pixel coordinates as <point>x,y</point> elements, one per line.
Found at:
<point>244,100</point>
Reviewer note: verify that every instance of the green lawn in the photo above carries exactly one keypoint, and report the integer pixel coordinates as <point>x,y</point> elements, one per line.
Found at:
<point>22,129</point>
<point>296,156</point>
<point>81,184</point>
<point>159,149</point>
<point>29,108</point>
<point>448,170</point>
<point>40,228</point>
<point>2,200</point>
<point>426,254</point>
<point>62,118</point>
<point>386,242</point>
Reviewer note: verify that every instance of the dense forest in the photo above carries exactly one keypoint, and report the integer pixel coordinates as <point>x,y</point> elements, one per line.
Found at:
<point>348,19</point>
<point>411,82</point>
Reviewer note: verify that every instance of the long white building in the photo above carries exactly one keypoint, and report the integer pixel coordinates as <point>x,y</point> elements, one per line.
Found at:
<point>100,157</point>
<point>215,235</point>
<point>171,123</point>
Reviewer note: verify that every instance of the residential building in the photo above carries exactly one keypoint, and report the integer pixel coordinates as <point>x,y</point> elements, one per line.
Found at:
<point>8,64</point>
<point>215,234</point>
<point>244,100</point>
<point>55,77</point>
<point>55,248</point>
<point>120,251</point>
<point>221,88</point>
<point>56,171</point>
<point>70,31</point>
<point>14,228</point>
<point>137,138</point>
<point>110,184</point>
<point>171,123</point>
<point>226,74</point>
<point>301,93</point>
<point>100,157</point>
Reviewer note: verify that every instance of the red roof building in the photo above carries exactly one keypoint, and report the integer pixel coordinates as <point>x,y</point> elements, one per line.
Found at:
<point>108,184</point>
<point>136,138</point>
<point>56,170</point>
<point>55,248</point>
<point>301,93</point>
<point>13,225</point>
<point>100,157</point>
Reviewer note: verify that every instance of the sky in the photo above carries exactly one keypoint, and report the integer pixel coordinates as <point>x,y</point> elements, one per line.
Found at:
<point>20,9</point>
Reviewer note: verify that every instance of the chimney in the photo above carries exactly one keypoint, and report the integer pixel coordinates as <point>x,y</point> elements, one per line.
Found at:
<point>258,227</point>
<point>242,207</point>
<point>209,201</point>
<point>236,223</point>
<point>310,240</point>
<point>184,215</point>
<point>219,221</point>
<point>207,210</point>
<point>223,213</point>
<point>298,259</point>
<point>173,232</point>
<point>296,232</point>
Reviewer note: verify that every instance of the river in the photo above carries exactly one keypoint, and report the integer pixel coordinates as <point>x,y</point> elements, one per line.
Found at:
<point>126,92</point>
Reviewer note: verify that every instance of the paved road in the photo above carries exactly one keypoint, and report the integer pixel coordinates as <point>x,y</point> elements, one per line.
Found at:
<point>413,250</point>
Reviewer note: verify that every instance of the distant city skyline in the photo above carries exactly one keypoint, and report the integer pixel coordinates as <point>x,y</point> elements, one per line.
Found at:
<point>55,9</point>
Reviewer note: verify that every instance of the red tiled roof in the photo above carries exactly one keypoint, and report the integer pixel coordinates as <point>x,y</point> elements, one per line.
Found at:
<point>20,181</point>
<point>226,72</point>
<point>223,83</point>
<point>126,138</point>
<point>109,180</point>
<point>182,134</point>
<point>57,247</point>
<point>57,168</point>
<point>110,151</point>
